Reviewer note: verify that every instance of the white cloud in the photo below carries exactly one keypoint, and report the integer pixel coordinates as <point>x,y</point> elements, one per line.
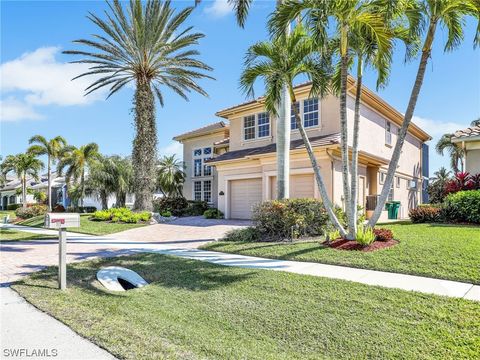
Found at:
<point>174,148</point>
<point>38,79</point>
<point>437,128</point>
<point>13,110</point>
<point>219,8</point>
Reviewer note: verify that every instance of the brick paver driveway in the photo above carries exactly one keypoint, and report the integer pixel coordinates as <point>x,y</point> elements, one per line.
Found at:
<point>23,257</point>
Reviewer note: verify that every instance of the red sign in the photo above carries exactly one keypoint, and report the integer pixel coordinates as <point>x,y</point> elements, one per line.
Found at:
<point>61,221</point>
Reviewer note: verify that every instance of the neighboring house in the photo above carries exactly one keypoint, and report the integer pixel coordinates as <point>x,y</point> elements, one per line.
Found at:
<point>469,139</point>
<point>245,159</point>
<point>10,193</point>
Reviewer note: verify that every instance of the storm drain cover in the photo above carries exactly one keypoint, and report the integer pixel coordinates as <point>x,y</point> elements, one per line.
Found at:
<point>116,278</point>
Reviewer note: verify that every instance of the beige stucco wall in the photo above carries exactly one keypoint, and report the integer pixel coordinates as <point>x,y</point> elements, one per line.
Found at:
<point>472,159</point>
<point>328,124</point>
<point>188,146</point>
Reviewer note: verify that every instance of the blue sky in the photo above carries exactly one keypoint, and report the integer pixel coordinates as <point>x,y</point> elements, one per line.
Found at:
<point>38,98</point>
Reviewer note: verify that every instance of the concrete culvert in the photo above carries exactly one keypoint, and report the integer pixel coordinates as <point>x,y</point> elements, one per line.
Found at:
<point>116,278</point>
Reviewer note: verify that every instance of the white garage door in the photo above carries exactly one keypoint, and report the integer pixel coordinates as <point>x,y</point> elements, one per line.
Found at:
<point>243,195</point>
<point>301,186</point>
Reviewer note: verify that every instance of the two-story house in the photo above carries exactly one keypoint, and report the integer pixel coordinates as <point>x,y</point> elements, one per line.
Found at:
<point>234,166</point>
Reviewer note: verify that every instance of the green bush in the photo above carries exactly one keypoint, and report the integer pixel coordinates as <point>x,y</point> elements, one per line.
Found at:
<point>166,214</point>
<point>196,208</point>
<point>426,214</point>
<point>289,218</point>
<point>213,214</point>
<point>249,234</point>
<point>177,206</point>
<point>463,206</point>
<point>13,206</point>
<point>31,211</point>
<point>121,215</point>
<point>365,235</point>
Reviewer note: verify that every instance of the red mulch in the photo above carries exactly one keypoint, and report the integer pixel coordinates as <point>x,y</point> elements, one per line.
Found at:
<point>341,244</point>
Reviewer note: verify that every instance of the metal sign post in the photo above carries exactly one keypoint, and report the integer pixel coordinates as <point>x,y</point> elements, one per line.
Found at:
<point>62,258</point>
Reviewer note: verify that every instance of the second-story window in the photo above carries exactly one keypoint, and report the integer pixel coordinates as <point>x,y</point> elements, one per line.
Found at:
<point>293,121</point>
<point>263,125</point>
<point>197,167</point>
<point>249,127</point>
<point>310,112</point>
<point>199,158</point>
<point>207,169</point>
<point>388,133</point>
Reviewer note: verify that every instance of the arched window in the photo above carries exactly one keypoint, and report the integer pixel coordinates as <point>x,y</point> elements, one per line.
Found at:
<point>12,199</point>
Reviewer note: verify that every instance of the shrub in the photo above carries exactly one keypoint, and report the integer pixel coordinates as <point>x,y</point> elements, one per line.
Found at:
<point>58,208</point>
<point>463,206</point>
<point>176,206</point>
<point>40,196</point>
<point>425,214</point>
<point>121,215</point>
<point>333,234</point>
<point>196,208</point>
<point>13,206</point>
<point>382,234</point>
<point>213,214</point>
<point>289,218</point>
<point>249,234</point>
<point>87,209</point>
<point>31,211</point>
<point>166,214</point>
<point>365,235</point>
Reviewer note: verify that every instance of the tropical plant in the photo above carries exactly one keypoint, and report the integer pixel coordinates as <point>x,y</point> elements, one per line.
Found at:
<point>427,16</point>
<point>52,149</point>
<point>456,152</point>
<point>23,165</point>
<point>170,176</point>
<point>40,197</point>
<point>147,45</point>
<point>76,162</point>
<point>280,62</point>
<point>475,122</point>
<point>365,235</point>
<point>436,189</point>
<point>362,33</point>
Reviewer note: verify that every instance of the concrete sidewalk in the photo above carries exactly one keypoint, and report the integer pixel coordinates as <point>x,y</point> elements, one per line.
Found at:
<point>26,330</point>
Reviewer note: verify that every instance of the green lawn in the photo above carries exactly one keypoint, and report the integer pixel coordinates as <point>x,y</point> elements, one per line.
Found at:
<point>13,235</point>
<point>434,250</point>
<point>7,212</point>
<point>194,310</point>
<point>86,226</point>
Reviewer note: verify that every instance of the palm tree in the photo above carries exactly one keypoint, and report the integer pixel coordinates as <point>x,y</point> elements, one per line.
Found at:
<point>52,149</point>
<point>442,174</point>
<point>170,176</point>
<point>432,13</point>
<point>124,179</point>
<point>278,63</point>
<point>457,153</point>
<point>23,165</point>
<point>475,122</point>
<point>362,33</point>
<point>77,161</point>
<point>147,45</point>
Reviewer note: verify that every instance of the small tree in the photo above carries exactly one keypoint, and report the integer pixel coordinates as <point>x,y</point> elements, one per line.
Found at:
<point>170,176</point>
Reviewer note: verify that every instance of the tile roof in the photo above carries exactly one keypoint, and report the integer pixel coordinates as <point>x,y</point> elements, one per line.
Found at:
<point>271,148</point>
<point>466,133</point>
<point>222,142</point>
<point>203,130</point>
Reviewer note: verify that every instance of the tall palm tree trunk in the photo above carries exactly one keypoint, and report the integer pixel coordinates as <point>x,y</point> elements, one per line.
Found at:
<point>406,122</point>
<point>283,138</point>
<point>144,146</point>
<point>49,187</point>
<point>356,128</point>
<point>24,190</point>
<point>316,169</point>
<point>82,195</point>
<point>344,145</point>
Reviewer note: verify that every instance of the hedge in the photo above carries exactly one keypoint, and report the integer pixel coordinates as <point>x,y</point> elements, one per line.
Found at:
<point>463,206</point>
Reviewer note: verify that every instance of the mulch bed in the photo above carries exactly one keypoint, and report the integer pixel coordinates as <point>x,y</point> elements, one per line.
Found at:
<point>341,244</point>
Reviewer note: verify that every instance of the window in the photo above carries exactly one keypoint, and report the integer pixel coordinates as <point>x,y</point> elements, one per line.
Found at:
<point>413,184</point>
<point>293,121</point>
<point>207,191</point>
<point>310,112</point>
<point>197,152</point>
<point>249,127</point>
<point>390,194</point>
<point>207,169</point>
<point>207,151</point>
<point>263,125</point>
<point>388,133</point>
<point>197,190</point>
<point>399,181</point>
<point>382,178</point>
<point>197,167</point>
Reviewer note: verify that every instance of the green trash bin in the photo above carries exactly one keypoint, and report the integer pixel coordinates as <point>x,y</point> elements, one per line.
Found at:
<point>395,208</point>
<point>389,207</point>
